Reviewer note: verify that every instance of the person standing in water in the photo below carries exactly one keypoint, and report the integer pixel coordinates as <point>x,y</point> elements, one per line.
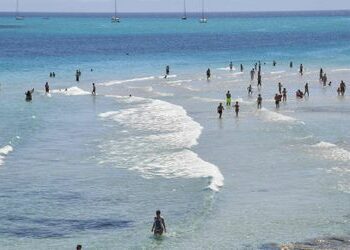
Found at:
<point>220,110</point>
<point>284,95</point>
<point>301,69</point>
<point>167,71</point>
<point>228,98</point>
<point>277,100</point>
<point>342,88</point>
<point>250,90</point>
<point>237,109</point>
<point>93,89</point>
<point>47,88</point>
<point>231,66</point>
<point>252,73</point>
<point>280,88</point>
<point>259,101</point>
<point>77,76</point>
<point>29,95</point>
<point>158,225</point>
<point>306,90</point>
<point>242,68</point>
<point>324,79</point>
<point>259,80</point>
<point>208,74</point>
<point>291,64</point>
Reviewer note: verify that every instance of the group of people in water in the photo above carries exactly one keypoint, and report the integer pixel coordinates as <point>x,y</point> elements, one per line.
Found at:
<point>279,97</point>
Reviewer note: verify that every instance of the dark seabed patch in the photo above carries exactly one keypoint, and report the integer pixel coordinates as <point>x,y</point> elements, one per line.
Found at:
<point>339,243</point>
<point>55,228</point>
<point>9,26</point>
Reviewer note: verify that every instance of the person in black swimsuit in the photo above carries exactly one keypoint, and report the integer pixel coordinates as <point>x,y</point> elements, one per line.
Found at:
<point>158,225</point>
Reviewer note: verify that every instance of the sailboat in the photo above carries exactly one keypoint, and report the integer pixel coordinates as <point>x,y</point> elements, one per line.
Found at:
<point>18,17</point>
<point>115,18</point>
<point>203,19</point>
<point>184,17</point>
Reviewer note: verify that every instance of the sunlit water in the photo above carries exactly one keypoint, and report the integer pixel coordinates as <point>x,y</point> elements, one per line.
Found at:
<point>92,170</point>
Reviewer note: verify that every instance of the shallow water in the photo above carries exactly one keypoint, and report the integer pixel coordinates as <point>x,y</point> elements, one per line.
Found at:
<point>92,170</point>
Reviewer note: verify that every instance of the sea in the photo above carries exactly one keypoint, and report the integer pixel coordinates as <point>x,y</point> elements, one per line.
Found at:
<point>92,170</point>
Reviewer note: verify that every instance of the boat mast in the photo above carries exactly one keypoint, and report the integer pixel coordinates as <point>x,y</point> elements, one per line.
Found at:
<point>185,12</point>
<point>115,8</point>
<point>202,9</point>
<point>17,7</point>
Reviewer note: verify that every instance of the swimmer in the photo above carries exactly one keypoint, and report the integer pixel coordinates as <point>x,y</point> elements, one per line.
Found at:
<point>242,68</point>
<point>228,98</point>
<point>231,66</point>
<point>167,71</point>
<point>291,64</point>
<point>29,95</point>
<point>299,94</point>
<point>259,101</point>
<point>93,89</point>
<point>220,110</point>
<point>237,109</point>
<point>342,87</point>
<point>324,79</point>
<point>79,247</point>
<point>321,74</point>
<point>274,63</point>
<point>77,76</point>
<point>158,225</point>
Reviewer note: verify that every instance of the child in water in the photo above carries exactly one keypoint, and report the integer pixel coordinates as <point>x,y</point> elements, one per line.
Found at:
<point>158,225</point>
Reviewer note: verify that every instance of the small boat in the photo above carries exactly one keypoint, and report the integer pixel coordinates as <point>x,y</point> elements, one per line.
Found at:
<point>203,19</point>
<point>115,18</point>
<point>184,17</point>
<point>18,17</point>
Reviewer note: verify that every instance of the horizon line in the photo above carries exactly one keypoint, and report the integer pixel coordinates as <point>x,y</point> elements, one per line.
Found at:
<point>173,12</point>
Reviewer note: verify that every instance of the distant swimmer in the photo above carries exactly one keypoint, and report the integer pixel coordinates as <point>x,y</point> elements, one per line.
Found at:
<point>79,247</point>
<point>158,225</point>
<point>284,95</point>
<point>93,89</point>
<point>259,101</point>
<point>321,74</point>
<point>77,76</point>
<point>47,88</point>
<point>280,87</point>
<point>237,109</point>
<point>228,98</point>
<point>220,110</point>
<point>278,99</point>
<point>50,74</point>
<point>342,87</point>
<point>291,64</point>
<point>252,73</point>
<point>167,71</point>
<point>306,90</point>
<point>208,74</point>
<point>274,63</point>
<point>53,74</point>
<point>256,66</point>
<point>299,94</point>
<point>324,79</point>
<point>231,66</point>
<point>29,95</point>
<point>250,90</point>
<point>242,68</point>
<point>301,69</point>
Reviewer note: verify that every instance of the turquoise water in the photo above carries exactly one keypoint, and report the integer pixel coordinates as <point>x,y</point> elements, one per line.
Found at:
<point>92,170</point>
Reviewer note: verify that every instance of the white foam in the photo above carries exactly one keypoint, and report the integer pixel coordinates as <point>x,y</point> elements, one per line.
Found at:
<point>3,152</point>
<point>207,99</point>
<point>72,91</point>
<point>179,82</point>
<point>226,69</point>
<point>238,73</point>
<point>126,81</point>
<point>269,115</point>
<point>340,70</point>
<point>277,72</point>
<point>167,77</point>
<point>160,144</point>
<point>331,151</point>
